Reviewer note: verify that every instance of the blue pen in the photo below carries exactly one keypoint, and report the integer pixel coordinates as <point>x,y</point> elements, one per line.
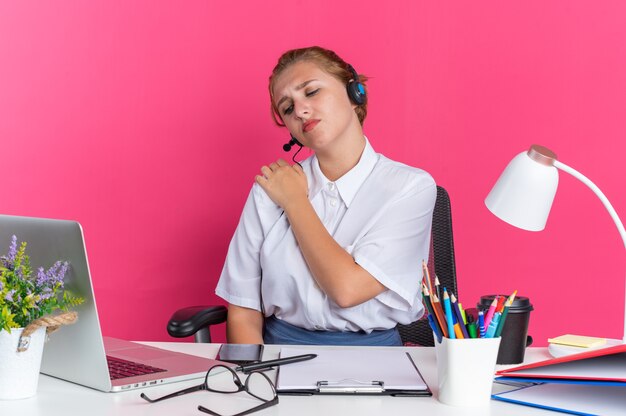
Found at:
<point>435,328</point>
<point>493,325</point>
<point>481,324</point>
<point>448,310</point>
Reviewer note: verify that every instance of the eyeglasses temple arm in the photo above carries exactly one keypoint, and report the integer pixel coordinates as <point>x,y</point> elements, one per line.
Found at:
<point>175,394</point>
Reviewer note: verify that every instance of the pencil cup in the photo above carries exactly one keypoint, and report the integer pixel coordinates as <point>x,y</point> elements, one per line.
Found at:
<point>465,369</point>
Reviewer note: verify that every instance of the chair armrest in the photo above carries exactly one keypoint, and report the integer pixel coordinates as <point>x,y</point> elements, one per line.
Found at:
<point>187,321</point>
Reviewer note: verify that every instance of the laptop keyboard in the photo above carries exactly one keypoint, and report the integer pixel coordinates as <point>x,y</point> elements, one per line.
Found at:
<point>119,368</point>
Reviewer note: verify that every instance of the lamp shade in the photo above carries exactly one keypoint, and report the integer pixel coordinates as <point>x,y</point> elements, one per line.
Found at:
<point>523,194</point>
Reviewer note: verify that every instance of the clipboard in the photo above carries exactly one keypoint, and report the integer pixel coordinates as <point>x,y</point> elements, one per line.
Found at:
<point>351,371</point>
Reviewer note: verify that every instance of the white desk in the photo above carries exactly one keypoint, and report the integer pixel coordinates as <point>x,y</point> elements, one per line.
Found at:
<point>59,398</point>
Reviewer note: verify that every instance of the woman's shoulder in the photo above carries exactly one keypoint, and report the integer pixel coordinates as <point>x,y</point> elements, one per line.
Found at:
<point>403,174</point>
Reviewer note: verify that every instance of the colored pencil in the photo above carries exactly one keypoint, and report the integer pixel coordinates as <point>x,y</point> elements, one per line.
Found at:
<point>463,313</point>
<point>505,312</point>
<point>427,300</point>
<point>427,276</point>
<point>448,310</point>
<point>437,286</point>
<point>491,311</point>
<point>459,316</point>
<point>435,328</point>
<point>439,314</point>
<point>457,331</point>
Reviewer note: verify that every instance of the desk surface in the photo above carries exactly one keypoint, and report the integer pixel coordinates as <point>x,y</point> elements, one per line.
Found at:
<point>56,397</point>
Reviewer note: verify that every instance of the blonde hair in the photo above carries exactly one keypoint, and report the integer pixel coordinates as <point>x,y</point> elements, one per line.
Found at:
<point>328,61</point>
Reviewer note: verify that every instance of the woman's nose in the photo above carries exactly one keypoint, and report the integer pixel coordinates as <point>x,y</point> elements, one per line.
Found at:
<point>301,109</point>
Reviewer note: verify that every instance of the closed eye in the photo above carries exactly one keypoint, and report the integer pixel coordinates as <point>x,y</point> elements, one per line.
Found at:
<point>312,93</point>
<point>288,110</point>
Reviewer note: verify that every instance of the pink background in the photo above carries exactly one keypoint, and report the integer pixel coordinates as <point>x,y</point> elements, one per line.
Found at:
<point>147,120</point>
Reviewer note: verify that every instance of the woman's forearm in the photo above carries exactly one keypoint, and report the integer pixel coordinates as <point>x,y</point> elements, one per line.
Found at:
<point>334,269</point>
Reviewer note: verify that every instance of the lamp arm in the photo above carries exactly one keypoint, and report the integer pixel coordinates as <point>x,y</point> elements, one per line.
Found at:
<point>607,205</point>
<point>599,194</point>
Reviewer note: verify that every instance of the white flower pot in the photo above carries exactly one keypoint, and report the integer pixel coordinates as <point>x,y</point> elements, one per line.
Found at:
<point>19,371</point>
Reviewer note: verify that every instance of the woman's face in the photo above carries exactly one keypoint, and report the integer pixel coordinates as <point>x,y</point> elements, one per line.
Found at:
<point>314,105</point>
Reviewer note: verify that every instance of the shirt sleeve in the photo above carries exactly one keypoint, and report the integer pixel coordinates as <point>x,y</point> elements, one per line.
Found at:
<point>393,249</point>
<point>240,281</point>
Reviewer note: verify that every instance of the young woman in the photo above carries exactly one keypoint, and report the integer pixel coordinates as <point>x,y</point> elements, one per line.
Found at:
<point>328,252</point>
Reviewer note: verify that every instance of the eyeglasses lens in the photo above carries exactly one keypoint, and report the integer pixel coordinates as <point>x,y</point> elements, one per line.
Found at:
<point>223,380</point>
<point>260,387</point>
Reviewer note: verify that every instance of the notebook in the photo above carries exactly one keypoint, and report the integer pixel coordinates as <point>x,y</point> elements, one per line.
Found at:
<point>79,353</point>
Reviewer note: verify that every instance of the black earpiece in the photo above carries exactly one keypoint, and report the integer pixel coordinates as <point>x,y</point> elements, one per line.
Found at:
<point>356,91</point>
<point>292,142</point>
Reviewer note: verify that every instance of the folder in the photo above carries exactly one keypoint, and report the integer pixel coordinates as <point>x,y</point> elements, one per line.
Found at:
<point>607,364</point>
<point>588,383</point>
<point>353,370</point>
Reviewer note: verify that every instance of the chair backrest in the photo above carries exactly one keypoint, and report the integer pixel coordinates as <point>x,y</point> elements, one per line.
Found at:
<point>440,263</point>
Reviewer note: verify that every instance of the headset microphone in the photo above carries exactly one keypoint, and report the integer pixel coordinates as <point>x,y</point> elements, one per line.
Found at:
<point>292,142</point>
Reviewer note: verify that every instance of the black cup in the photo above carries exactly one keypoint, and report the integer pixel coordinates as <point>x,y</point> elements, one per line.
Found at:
<point>515,336</point>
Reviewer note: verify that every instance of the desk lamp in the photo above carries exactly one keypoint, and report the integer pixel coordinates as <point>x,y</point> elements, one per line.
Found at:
<point>523,196</point>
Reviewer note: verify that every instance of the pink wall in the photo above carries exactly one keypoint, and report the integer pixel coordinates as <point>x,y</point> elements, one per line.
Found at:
<point>147,120</point>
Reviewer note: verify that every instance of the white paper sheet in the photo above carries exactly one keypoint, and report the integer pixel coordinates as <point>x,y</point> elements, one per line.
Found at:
<point>352,366</point>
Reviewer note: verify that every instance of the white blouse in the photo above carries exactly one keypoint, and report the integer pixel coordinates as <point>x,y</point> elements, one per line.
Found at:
<point>380,212</point>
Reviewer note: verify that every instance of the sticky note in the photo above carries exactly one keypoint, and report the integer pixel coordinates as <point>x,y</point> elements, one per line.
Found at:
<point>578,341</point>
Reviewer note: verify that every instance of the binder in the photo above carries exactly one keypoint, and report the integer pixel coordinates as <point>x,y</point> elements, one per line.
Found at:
<point>587,383</point>
<point>353,370</point>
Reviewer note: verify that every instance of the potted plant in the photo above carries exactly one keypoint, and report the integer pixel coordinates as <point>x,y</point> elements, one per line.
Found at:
<point>31,305</point>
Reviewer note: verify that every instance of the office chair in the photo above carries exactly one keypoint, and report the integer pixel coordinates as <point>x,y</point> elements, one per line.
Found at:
<point>196,320</point>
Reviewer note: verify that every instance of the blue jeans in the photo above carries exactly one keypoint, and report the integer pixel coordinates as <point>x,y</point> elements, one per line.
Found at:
<point>280,332</point>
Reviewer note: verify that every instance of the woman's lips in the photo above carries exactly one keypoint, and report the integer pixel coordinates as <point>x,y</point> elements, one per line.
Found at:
<point>309,125</point>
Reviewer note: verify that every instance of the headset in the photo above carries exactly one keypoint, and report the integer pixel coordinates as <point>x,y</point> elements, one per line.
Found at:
<point>356,93</point>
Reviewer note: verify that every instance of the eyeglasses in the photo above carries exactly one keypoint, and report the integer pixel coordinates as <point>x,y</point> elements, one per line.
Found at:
<point>222,379</point>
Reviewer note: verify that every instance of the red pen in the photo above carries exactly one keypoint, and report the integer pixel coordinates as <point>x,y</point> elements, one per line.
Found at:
<point>501,300</point>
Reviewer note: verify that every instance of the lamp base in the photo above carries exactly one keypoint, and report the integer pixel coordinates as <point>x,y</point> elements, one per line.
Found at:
<point>558,350</point>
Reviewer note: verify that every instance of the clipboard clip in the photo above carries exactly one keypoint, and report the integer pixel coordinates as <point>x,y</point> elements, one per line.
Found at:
<point>350,386</point>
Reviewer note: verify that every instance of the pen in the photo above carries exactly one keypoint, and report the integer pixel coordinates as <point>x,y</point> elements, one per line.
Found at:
<point>481,324</point>
<point>493,325</point>
<point>471,328</point>
<point>263,365</point>
<point>500,306</point>
<point>448,310</point>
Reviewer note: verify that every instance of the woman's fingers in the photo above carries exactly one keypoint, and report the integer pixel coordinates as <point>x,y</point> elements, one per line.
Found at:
<point>266,171</point>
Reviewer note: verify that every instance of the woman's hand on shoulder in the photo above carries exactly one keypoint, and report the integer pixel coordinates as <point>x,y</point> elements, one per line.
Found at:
<point>284,184</point>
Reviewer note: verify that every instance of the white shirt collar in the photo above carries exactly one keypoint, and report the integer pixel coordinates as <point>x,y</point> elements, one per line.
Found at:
<point>351,181</point>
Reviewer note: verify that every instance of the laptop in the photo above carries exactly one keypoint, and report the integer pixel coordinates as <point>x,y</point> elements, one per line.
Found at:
<point>79,353</point>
